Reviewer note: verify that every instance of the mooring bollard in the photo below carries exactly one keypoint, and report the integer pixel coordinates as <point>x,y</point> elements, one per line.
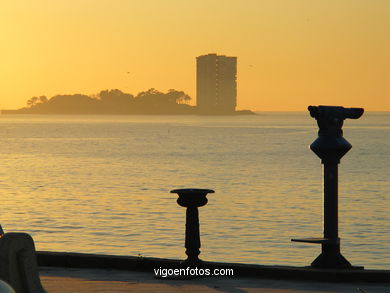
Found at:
<point>330,146</point>
<point>192,198</point>
<point>18,263</point>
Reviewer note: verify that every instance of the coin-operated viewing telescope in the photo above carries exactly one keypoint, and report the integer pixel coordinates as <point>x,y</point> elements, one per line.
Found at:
<point>335,111</point>
<point>330,147</point>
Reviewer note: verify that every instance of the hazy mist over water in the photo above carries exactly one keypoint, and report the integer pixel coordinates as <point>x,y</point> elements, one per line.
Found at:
<point>100,184</point>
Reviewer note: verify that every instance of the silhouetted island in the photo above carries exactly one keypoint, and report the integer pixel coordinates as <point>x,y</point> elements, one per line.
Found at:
<point>114,101</point>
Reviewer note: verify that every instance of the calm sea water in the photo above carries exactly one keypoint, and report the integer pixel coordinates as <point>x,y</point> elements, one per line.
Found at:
<point>100,184</point>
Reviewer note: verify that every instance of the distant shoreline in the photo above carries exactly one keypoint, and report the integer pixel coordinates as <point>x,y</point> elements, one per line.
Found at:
<point>25,111</point>
<point>116,102</point>
<point>236,113</point>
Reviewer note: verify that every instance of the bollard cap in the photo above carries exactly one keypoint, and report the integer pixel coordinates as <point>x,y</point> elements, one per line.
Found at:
<point>192,191</point>
<point>192,197</point>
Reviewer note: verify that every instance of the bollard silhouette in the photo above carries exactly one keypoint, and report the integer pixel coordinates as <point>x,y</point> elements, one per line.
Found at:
<point>330,147</point>
<point>18,263</point>
<point>192,198</point>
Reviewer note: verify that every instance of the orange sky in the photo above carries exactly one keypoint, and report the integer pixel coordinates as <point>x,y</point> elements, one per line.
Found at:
<point>290,53</point>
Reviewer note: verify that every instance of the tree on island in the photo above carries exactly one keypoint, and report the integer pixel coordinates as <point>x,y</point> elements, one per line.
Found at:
<point>114,96</point>
<point>172,96</point>
<point>34,100</point>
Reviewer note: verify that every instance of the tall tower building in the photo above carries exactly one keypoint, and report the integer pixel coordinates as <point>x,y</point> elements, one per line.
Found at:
<point>216,85</point>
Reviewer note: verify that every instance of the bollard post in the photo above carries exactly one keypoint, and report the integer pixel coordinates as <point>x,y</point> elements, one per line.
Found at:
<point>330,147</point>
<point>18,263</point>
<point>192,198</point>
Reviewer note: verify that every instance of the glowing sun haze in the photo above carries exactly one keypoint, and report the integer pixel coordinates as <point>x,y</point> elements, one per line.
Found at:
<point>290,53</point>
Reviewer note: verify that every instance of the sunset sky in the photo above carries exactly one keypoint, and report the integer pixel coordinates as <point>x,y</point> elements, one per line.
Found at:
<point>291,53</point>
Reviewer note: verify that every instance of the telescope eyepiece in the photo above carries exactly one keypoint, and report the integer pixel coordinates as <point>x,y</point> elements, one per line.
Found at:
<point>353,113</point>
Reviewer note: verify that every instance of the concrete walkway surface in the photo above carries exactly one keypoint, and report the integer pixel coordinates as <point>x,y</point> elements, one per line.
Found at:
<point>74,280</point>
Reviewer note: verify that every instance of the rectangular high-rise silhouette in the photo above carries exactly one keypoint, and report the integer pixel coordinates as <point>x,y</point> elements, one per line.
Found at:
<point>216,85</point>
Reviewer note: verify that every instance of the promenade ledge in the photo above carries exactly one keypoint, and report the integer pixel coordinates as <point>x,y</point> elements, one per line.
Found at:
<point>148,264</point>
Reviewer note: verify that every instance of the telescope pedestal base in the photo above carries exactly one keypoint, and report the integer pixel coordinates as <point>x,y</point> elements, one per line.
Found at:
<point>331,258</point>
